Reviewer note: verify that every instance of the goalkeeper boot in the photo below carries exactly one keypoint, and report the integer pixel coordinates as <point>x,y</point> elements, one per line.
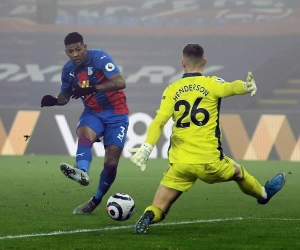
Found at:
<point>87,207</point>
<point>142,226</point>
<point>75,174</point>
<point>272,187</point>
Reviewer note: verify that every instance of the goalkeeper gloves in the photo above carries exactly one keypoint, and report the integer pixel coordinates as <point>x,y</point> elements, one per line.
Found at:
<point>77,93</point>
<point>49,100</point>
<point>250,85</point>
<point>141,155</point>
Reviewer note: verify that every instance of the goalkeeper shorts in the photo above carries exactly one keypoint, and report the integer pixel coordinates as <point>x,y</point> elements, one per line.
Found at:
<point>182,176</point>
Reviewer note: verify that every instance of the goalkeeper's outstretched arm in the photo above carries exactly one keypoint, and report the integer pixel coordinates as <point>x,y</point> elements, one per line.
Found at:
<point>237,87</point>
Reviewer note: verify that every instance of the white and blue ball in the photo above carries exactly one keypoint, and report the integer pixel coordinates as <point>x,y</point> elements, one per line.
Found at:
<point>120,206</point>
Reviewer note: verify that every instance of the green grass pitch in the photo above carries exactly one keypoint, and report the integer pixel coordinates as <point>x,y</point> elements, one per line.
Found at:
<point>37,203</point>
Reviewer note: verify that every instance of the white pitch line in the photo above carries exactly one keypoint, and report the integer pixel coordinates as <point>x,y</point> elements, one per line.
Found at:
<point>131,226</point>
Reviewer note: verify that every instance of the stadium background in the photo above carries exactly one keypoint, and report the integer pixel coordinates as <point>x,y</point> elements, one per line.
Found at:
<point>146,38</point>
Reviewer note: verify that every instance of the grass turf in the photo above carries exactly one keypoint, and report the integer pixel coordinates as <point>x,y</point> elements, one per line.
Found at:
<point>37,203</point>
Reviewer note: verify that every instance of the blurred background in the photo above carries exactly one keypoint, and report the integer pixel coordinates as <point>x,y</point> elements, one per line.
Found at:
<point>145,38</point>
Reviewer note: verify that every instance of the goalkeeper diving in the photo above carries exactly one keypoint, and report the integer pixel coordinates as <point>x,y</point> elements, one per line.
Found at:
<point>195,151</point>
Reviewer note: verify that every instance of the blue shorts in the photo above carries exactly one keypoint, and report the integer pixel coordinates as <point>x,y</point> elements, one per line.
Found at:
<point>112,127</point>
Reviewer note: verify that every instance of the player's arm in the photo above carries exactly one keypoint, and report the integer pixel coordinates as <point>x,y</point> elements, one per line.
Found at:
<point>64,95</point>
<point>155,128</point>
<point>60,100</point>
<point>232,88</point>
<point>141,154</point>
<point>113,80</point>
<point>63,99</point>
<point>238,87</point>
<point>114,83</point>
<point>65,92</point>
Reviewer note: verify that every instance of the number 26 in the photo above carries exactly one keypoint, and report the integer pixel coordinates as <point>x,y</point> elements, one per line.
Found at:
<point>195,110</point>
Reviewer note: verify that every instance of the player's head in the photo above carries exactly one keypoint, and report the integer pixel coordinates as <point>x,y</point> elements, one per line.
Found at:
<point>193,58</point>
<point>75,49</point>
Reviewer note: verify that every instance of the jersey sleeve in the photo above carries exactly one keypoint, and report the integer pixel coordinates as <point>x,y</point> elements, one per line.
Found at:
<point>167,103</point>
<point>222,89</point>
<point>105,63</point>
<point>164,113</point>
<point>155,128</point>
<point>66,85</point>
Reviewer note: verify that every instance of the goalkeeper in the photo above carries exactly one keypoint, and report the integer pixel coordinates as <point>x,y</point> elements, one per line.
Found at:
<point>195,150</point>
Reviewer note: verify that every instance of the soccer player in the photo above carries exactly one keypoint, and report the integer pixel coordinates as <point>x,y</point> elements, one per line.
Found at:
<point>195,150</point>
<point>92,76</point>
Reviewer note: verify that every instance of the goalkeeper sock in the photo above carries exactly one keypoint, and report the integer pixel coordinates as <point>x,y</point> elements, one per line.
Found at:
<point>84,154</point>
<point>158,214</point>
<point>107,178</point>
<point>250,186</point>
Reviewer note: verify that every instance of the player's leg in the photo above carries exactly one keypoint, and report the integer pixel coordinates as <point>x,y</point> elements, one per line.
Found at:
<point>114,140</point>
<point>79,173</point>
<point>247,183</point>
<point>178,179</point>
<point>250,186</point>
<point>86,128</point>
<point>89,129</point>
<point>163,200</point>
<point>109,172</point>
<point>107,177</point>
<point>226,170</point>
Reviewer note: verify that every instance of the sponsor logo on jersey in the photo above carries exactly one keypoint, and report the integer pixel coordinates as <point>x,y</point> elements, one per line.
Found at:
<point>84,84</point>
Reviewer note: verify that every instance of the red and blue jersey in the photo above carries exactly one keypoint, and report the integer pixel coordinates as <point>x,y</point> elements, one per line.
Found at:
<point>97,69</point>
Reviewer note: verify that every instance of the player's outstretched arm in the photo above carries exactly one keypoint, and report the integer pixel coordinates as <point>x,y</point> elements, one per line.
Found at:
<point>238,87</point>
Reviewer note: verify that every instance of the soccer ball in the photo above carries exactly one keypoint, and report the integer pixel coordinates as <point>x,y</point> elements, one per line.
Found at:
<point>120,206</point>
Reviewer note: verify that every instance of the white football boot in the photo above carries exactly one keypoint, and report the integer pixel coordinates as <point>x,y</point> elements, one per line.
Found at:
<point>75,174</point>
<point>85,208</point>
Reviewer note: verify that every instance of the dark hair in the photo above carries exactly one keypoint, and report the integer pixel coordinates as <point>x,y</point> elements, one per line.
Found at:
<point>72,38</point>
<point>193,50</point>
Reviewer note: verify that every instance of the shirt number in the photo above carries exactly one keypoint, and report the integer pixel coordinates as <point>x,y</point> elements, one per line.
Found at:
<point>195,110</point>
